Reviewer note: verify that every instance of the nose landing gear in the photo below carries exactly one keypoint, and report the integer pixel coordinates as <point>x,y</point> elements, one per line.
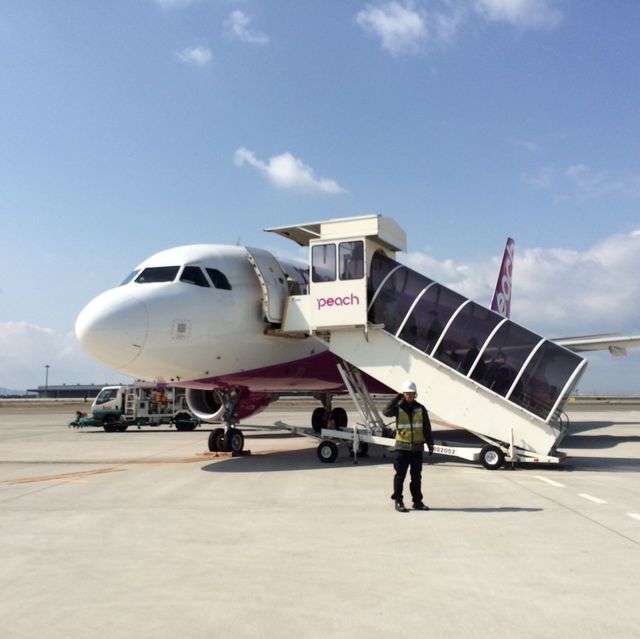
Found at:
<point>228,439</point>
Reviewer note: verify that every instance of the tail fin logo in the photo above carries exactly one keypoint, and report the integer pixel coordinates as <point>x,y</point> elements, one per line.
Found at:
<point>501,302</point>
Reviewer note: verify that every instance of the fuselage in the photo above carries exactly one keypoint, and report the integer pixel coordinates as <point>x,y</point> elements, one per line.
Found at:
<point>192,316</point>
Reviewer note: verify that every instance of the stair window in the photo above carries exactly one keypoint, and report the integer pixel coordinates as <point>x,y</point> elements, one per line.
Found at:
<point>504,356</point>
<point>544,379</point>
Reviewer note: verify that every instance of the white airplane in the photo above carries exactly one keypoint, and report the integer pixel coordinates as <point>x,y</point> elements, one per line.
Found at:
<point>205,317</point>
<point>193,316</point>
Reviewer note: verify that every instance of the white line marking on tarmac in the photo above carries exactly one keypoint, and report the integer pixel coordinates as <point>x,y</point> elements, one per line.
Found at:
<point>549,481</point>
<point>634,515</point>
<point>595,500</point>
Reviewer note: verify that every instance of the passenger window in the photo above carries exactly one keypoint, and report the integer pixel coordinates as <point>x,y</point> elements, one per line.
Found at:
<point>351,256</point>
<point>218,279</point>
<point>158,274</point>
<point>194,275</point>
<point>323,263</point>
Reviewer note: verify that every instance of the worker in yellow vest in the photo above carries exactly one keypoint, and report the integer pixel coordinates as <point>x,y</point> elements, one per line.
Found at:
<point>413,430</point>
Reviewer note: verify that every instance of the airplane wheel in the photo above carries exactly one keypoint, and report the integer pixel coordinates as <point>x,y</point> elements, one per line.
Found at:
<point>327,452</point>
<point>236,441</point>
<point>339,417</point>
<point>217,434</point>
<point>318,419</point>
<point>491,457</point>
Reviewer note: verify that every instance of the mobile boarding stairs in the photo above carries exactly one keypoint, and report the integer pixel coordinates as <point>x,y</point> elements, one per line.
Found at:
<point>474,368</point>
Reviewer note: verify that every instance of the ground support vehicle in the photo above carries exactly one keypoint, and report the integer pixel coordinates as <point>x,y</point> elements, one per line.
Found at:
<point>117,407</point>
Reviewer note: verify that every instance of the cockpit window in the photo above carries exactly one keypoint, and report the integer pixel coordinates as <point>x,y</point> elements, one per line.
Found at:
<point>194,275</point>
<point>158,274</point>
<point>129,278</point>
<point>219,279</point>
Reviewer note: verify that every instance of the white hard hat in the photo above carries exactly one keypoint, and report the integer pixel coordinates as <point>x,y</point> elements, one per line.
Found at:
<point>408,387</point>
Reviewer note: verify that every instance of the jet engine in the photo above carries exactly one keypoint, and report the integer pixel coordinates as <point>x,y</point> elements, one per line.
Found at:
<point>205,404</point>
<point>208,405</point>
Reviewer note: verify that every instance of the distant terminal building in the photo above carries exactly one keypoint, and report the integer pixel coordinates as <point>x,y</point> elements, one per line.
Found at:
<point>68,391</point>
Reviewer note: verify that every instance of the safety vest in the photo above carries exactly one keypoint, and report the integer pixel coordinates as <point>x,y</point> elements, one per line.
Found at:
<point>409,432</point>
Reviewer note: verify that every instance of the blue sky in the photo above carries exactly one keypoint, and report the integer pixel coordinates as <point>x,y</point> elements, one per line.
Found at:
<point>130,126</point>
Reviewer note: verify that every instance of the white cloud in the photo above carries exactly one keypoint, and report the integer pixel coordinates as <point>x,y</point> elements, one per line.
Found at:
<point>25,349</point>
<point>237,25</point>
<point>590,184</point>
<point>580,181</point>
<point>199,56</point>
<point>401,27</point>
<point>409,27</point>
<point>556,290</point>
<point>529,14</point>
<point>287,172</point>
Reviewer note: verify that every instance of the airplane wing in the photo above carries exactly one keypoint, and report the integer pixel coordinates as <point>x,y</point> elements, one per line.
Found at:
<point>616,344</point>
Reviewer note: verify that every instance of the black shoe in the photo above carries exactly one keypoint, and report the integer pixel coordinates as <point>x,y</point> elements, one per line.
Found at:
<point>401,508</point>
<point>418,505</point>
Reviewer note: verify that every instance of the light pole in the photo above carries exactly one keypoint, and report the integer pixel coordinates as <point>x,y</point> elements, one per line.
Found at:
<point>46,380</point>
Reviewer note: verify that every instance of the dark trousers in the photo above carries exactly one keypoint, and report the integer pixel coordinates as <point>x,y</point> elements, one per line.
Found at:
<point>404,460</point>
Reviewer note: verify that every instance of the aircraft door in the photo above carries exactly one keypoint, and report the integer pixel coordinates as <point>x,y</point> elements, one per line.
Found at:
<point>273,281</point>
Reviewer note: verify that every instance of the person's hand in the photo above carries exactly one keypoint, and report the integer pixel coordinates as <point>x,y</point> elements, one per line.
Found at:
<point>430,451</point>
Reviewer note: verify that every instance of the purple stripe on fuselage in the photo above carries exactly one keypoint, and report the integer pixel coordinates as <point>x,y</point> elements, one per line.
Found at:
<point>316,373</point>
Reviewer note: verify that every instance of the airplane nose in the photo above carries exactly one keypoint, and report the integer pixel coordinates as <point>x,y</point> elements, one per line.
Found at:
<point>113,328</point>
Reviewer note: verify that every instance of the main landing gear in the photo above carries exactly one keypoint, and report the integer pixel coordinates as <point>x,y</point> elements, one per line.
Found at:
<point>327,417</point>
<point>228,439</point>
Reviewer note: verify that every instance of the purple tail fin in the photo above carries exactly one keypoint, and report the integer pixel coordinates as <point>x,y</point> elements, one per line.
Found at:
<point>501,302</point>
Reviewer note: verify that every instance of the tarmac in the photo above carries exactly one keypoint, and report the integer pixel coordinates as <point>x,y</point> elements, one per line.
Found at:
<point>147,534</point>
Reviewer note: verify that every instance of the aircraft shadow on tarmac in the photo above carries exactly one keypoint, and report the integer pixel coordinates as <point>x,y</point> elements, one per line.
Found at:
<point>581,436</point>
<point>602,464</point>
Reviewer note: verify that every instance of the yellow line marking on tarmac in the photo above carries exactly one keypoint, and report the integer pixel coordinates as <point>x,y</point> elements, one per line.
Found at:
<point>64,476</point>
